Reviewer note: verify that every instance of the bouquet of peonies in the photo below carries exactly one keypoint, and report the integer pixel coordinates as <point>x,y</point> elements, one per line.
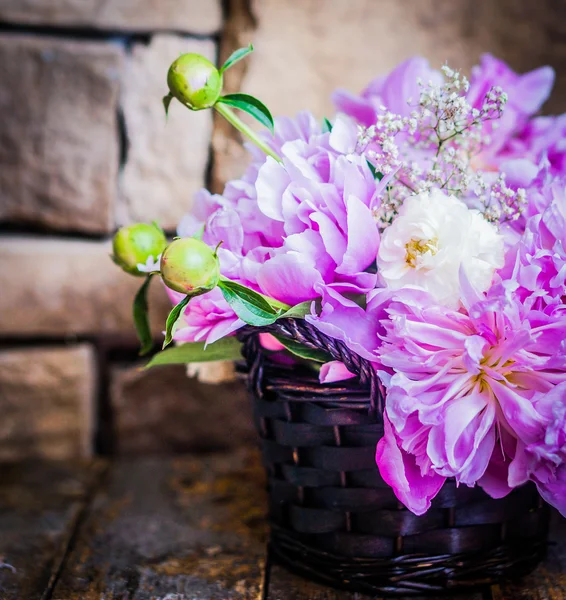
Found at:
<point>424,227</point>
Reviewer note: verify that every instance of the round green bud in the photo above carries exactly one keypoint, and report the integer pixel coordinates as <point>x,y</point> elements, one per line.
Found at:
<point>134,244</point>
<point>194,81</point>
<point>190,266</point>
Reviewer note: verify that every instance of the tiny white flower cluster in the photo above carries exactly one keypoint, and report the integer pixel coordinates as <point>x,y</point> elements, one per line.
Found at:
<point>152,265</point>
<point>434,146</point>
<point>501,203</point>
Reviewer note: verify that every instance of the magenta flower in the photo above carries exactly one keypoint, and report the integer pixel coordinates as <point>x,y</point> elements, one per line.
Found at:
<point>465,385</point>
<point>526,94</point>
<point>541,137</point>
<point>207,318</point>
<point>396,91</point>
<point>538,270</point>
<point>290,229</point>
<point>544,460</point>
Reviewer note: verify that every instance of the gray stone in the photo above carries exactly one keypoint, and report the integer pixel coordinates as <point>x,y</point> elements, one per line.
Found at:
<point>340,43</point>
<point>47,402</point>
<point>191,16</point>
<point>167,158</point>
<point>161,411</point>
<point>59,149</point>
<point>55,287</point>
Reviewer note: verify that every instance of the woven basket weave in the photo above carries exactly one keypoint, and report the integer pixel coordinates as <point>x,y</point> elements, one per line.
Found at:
<point>332,516</point>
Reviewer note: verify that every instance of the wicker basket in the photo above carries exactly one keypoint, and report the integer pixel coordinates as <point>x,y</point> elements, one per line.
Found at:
<point>334,519</point>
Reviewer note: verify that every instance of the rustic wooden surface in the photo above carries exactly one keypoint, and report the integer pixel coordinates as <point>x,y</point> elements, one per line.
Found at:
<point>189,528</point>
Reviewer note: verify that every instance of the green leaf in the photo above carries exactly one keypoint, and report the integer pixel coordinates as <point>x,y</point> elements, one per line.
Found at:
<point>228,348</point>
<point>376,174</point>
<point>141,320</point>
<point>166,102</point>
<point>235,57</point>
<point>250,306</point>
<point>172,319</point>
<point>252,106</point>
<point>299,311</point>
<point>304,352</point>
<point>326,125</point>
<point>158,227</point>
<point>199,233</point>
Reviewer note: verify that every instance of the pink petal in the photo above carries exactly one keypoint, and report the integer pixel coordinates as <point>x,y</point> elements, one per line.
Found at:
<point>399,470</point>
<point>288,278</point>
<point>334,371</point>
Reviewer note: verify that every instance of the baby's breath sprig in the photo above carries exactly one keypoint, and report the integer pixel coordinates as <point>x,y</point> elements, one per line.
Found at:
<point>435,147</point>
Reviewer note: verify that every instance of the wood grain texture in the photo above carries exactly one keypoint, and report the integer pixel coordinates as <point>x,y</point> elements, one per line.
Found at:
<point>40,505</point>
<point>192,528</point>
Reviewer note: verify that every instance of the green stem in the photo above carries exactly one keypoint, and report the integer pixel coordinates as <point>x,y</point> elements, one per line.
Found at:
<point>234,120</point>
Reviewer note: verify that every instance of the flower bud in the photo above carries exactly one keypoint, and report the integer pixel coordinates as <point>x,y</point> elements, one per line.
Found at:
<point>190,266</point>
<point>194,81</point>
<point>134,244</point>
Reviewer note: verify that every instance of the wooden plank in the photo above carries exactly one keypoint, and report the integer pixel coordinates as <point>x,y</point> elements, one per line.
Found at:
<point>189,528</point>
<point>40,505</point>
<point>548,581</point>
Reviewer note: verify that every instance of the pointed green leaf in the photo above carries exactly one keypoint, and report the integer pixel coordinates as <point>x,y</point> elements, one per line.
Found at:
<point>158,227</point>
<point>299,311</point>
<point>376,174</point>
<point>304,352</point>
<point>250,306</point>
<point>228,348</point>
<point>235,57</point>
<point>326,125</point>
<point>141,320</point>
<point>172,319</point>
<point>252,106</point>
<point>199,233</point>
<point>166,102</point>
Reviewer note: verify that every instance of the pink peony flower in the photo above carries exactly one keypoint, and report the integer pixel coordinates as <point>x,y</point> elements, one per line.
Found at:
<point>396,91</point>
<point>526,94</point>
<point>288,230</point>
<point>207,318</point>
<point>465,385</point>
<point>537,263</point>
<point>544,459</point>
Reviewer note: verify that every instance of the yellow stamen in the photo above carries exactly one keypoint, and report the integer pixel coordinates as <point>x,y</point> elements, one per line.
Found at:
<point>416,248</point>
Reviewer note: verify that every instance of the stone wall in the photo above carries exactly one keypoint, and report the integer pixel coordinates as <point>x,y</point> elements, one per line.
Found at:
<point>84,148</point>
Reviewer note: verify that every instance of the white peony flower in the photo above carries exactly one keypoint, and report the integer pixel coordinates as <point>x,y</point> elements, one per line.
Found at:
<point>431,238</point>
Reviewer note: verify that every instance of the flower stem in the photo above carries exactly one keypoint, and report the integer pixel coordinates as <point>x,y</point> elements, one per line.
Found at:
<point>234,120</point>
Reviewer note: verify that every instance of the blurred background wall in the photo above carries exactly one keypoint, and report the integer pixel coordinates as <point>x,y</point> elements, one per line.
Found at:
<point>84,148</point>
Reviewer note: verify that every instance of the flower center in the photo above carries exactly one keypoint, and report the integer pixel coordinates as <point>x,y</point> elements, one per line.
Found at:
<point>416,248</point>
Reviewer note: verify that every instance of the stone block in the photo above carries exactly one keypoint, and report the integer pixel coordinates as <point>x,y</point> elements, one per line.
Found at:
<point>166,158</point>
<point>47,402</point>
<point>191,16</point>
<point>59,146</point>
<point>63,288</point>
<point>162,411</point>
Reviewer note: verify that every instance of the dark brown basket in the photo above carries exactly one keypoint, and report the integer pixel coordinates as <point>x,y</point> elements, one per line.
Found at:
<point>332,516</point>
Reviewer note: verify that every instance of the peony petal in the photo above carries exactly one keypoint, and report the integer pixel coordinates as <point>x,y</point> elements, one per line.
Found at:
<point>399,470</point>
<point>272,181</point>
<point>288,278</point>
<point>334,371</point>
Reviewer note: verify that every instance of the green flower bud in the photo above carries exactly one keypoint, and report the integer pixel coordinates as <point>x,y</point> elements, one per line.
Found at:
<point>194,81</point>
<point>190,266</point>
<point>134,244</point>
